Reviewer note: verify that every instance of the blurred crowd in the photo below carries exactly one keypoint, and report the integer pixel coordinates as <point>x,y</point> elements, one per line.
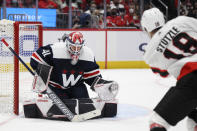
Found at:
<point>90,13</point>
<point>120,13</point>
<point>189,8</point>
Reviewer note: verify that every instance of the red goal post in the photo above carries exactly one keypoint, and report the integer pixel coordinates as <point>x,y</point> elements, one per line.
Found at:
<point>24,38</point>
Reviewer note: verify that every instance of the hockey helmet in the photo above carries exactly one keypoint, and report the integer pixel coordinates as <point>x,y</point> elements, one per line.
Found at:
<point>152,19</point>
<point>75,42</point>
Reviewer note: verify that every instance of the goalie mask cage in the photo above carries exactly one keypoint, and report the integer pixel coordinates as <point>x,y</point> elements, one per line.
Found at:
<point>24,38</point>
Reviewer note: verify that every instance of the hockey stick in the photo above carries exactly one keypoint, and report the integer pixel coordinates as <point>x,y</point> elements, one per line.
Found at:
<point>58,102</point>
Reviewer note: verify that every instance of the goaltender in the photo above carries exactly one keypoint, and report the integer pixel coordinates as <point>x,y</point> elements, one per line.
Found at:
<point>73,67</point>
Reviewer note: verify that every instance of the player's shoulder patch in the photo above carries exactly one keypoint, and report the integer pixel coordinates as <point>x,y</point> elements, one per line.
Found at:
<point>87,54</point>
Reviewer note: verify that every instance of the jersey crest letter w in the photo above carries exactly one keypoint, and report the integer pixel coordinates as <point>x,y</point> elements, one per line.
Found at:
<point>71,80</point>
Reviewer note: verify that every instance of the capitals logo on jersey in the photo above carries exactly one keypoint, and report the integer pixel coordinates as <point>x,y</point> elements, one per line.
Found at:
<point>71,78</point>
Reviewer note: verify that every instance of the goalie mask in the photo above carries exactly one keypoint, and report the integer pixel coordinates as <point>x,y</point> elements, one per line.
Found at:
<point>75,43</point>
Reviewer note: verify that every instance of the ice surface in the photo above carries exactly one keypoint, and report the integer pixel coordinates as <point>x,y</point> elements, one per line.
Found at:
<point>140,91</point>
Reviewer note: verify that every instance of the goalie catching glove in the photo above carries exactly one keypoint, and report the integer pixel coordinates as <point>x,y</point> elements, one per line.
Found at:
<point>106,90</point>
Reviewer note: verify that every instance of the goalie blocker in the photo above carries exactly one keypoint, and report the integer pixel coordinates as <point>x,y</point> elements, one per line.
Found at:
<point>44,108</point>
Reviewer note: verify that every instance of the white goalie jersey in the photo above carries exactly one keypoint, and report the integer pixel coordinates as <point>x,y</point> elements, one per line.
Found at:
<point>172,50</point>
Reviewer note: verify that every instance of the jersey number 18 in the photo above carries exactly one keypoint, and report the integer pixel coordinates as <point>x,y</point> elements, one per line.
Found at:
<point>183,42</point>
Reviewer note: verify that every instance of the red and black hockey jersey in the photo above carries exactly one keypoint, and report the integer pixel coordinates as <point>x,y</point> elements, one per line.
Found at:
<point>173,49</point>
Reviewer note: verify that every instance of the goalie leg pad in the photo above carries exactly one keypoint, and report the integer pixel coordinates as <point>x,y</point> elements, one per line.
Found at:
<point>32,111</point>
<point>44,108</point>
<point>109,110</point>
<point>80,106</point>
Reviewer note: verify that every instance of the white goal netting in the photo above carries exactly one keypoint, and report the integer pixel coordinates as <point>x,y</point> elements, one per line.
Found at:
<point>24,38</point>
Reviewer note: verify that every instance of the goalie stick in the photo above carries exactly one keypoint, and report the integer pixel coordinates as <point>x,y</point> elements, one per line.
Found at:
<point>58,102</point>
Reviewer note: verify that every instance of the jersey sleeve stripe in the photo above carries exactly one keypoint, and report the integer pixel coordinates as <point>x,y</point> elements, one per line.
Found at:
<point>37,58</point>
<point>56,85</point>
<point>91,71</point>
<point>92,74</point>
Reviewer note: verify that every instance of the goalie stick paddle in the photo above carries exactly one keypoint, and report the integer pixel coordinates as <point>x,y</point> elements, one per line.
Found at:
<point>58,102</point>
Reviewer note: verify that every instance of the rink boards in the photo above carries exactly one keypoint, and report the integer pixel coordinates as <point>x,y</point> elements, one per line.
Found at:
<point>112,48</point>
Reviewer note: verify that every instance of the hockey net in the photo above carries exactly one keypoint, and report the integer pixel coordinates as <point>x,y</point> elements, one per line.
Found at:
<point>24,38</point>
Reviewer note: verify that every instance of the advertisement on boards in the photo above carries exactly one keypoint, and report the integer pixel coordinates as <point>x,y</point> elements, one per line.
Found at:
<point>46,16</point>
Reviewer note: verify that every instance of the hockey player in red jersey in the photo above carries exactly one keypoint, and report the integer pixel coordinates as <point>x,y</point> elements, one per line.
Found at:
<point>172,51</point>
<point>74,67</point>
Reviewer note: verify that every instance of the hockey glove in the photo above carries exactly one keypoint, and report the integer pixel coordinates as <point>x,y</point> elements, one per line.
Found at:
<point>106,90</point>
<point>41,78</point>
<point>38,85</point>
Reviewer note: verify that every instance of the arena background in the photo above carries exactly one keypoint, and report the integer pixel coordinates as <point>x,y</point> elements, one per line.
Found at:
<point>117,48</point>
